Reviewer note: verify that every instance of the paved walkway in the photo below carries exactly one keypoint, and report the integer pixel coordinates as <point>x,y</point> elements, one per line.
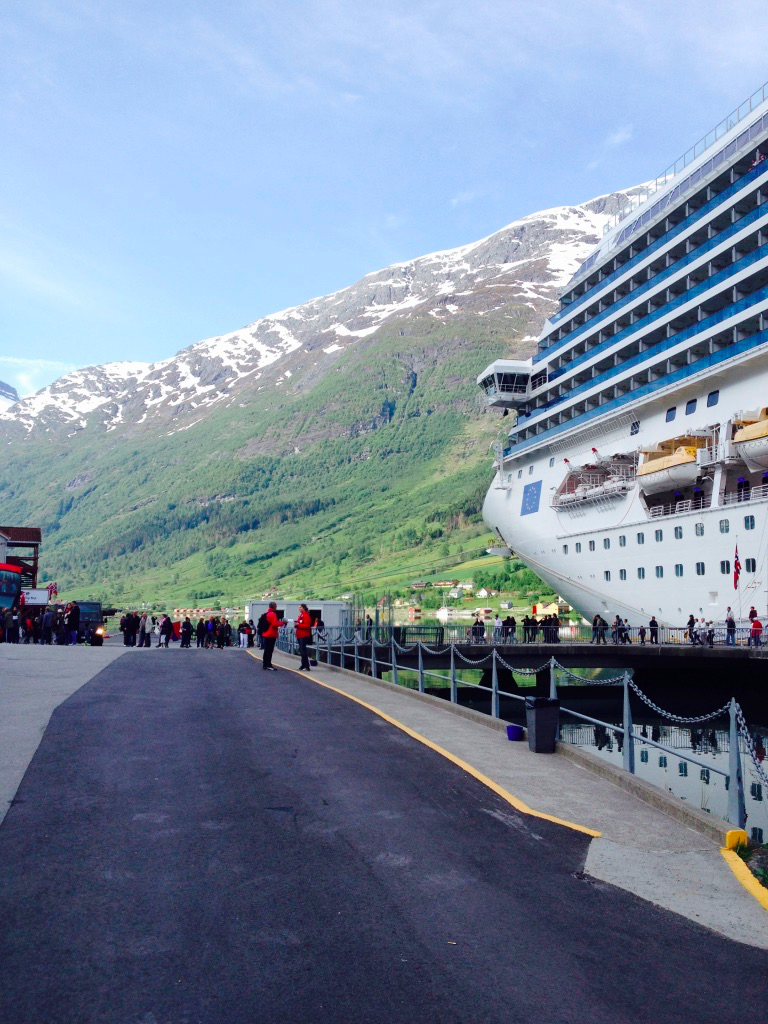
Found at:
<point>197,839</point>
<point>640,848</point>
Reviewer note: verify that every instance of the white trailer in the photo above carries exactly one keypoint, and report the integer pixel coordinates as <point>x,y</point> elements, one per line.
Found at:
<point>333,613</point>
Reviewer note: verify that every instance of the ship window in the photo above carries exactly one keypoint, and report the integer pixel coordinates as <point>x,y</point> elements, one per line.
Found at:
<point>713,398</point>
<point>662,761</point>
<point>690,407</point>
<point>671,413</point>
<point>658,536</point>
<point>519,473</point>
<point>699,529</point>
<point>750,564</point>
<point>635,428</point>
<point>551,462</point>
<point>641,538</point>
<point>678,569</point>
<point>682,768</point>
<point>724,526</point>
<point>606,542</point>
<point>756,791</point>
<point>607,575</point>
<point>699,568</point>
<point>565,549</point>
<point>749,522</point>
<point>725,567</point>
<point>591,545</point>
<point>704,776</point>
<point>659,571</point>
<point>644,756</point>
<point>578,547</point>
<point>757,834</point>
<point>641,573</point>
<point>530,470</point>
<point>622,540</point>
<point>678,533</point>
<point>622,574</point>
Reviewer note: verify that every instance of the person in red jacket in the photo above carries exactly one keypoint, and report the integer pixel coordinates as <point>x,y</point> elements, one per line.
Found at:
<point>270,636</point>
<point>303,634</point>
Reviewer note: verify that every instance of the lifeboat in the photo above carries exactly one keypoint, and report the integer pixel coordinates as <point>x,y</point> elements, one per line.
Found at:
<point>676,470</point>
<point>751,442</point>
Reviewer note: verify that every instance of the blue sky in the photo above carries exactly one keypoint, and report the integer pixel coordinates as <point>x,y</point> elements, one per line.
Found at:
<point>172,171</point>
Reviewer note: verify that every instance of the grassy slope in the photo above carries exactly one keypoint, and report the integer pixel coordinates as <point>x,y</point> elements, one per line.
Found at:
<point>378,467</point>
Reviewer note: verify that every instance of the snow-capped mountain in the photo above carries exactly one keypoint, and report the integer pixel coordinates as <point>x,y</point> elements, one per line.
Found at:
<point>8,396</point>
<point>513,274</point>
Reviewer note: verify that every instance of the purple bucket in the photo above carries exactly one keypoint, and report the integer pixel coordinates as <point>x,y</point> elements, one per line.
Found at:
<point>514,732</point>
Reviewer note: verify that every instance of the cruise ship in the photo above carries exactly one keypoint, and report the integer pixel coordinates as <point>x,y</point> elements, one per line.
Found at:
<point>635,478</point>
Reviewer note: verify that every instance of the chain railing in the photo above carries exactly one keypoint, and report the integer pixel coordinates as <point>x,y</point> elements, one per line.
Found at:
<point>368,657</point>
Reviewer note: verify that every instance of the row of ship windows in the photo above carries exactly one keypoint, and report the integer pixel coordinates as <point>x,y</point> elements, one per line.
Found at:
<point>690,407</point>
<point>755,789</point>
<point>750,564</point>
<point>658,535</point>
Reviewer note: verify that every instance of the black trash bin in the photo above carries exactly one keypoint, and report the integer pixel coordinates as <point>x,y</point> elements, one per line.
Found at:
<point>542,715</point>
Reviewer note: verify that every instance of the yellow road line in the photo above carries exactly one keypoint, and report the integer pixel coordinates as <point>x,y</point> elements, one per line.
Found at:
<point>745,876</point>
<point>470,769</point>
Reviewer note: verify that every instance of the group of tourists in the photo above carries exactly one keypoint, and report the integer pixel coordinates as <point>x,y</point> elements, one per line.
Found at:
<point>54,624</point>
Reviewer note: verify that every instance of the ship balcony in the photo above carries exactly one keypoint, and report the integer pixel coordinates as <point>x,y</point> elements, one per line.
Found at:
<point>507,383</point>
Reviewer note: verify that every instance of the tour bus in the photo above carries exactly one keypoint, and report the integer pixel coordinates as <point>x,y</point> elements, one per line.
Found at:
<point>10,585</point>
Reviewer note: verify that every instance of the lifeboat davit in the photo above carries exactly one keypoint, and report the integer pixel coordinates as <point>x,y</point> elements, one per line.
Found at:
<point>676,470</point>
<point>751,442</point>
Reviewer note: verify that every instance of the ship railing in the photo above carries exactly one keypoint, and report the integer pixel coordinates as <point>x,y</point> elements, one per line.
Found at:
<point>677,507</point>
<point>734,118</point>
<point>759,493</point>
<point>379,659</point>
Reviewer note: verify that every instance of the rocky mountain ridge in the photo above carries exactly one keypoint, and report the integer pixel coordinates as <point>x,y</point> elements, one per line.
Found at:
<point>511,277</point>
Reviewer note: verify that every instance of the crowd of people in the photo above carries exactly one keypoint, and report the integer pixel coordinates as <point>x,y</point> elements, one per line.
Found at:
<point>54,624</point>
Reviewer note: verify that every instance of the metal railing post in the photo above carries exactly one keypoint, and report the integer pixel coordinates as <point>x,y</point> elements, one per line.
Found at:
<point>553,690</point>
<point>357,655</point>
<point>494,689</point>
<point>628,751</point>
<point>394,661</point>
<point>454,691</point>
<point>341,656</point>
<point>373,659</point>
<point>327,648</point>
<point>421,670</point>
<point>737,813</point>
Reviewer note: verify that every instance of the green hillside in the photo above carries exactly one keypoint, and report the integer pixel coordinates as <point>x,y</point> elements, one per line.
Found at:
<point>362,480</point>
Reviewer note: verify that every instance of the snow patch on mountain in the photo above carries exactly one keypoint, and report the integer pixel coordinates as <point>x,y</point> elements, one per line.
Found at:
<point>519,268</point>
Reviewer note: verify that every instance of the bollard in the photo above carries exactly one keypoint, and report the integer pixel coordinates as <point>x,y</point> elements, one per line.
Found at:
<point>454,691</point>
<point>494,689</point>
<point>421,670</point>
<point>628,751</point>
<point>737,813</point>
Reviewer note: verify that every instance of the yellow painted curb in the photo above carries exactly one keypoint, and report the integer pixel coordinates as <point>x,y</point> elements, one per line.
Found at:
<point>486,780</point>
<point>745,876</point>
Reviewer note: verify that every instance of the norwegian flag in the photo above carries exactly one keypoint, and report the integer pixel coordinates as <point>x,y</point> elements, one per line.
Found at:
<point>736,569</point>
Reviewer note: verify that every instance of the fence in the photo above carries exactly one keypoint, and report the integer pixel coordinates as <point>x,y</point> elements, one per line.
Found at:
<point>383,657</point>
<point>541,633</point>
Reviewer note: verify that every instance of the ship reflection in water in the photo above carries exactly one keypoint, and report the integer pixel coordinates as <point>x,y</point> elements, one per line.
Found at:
<point>698,786</point>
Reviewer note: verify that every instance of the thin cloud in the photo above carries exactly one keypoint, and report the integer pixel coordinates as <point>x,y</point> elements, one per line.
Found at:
<point>462,198</point>
<point>619,137</point>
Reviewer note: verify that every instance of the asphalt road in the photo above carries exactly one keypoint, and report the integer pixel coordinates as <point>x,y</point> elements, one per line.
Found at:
<point>197,840</point>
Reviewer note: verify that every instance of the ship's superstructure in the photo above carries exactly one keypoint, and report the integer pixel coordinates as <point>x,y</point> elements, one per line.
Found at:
<point>635,479</point>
